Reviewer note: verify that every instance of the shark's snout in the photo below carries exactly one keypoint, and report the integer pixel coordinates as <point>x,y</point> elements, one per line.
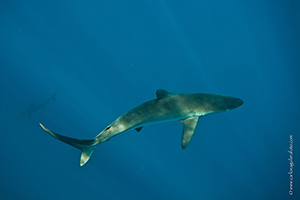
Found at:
<point>235,102</point>
<point>240,102</point>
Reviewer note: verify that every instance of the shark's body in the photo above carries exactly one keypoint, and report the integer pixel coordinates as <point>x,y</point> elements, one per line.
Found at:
<point>166,107</point>
<point>34,107</point>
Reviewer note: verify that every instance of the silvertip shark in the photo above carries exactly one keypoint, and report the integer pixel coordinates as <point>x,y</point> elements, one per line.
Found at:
<point>167,106</point>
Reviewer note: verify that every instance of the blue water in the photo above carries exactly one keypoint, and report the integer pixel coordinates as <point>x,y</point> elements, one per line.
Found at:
<point>109,56</point>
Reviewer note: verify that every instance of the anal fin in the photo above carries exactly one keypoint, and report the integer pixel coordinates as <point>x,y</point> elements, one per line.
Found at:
<point>189,125</point>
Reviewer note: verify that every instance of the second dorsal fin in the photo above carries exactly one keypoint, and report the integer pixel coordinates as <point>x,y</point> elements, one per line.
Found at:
<point>139,129</point>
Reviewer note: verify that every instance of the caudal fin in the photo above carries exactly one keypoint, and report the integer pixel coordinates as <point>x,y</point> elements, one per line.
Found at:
<point>54,94</point>
<point>87,147</point>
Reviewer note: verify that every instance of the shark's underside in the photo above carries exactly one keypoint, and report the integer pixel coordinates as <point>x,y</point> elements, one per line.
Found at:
<point>166,107</point>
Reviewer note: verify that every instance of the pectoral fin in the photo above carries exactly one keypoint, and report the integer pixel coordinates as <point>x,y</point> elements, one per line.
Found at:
<point>189,125</point>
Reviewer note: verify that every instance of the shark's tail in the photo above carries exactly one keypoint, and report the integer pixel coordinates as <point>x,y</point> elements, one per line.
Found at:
<point>54,94</point>
<point>87,147</point>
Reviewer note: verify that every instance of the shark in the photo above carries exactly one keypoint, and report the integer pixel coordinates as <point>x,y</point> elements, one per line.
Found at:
<point>35,107</point>
<point>186,107</point>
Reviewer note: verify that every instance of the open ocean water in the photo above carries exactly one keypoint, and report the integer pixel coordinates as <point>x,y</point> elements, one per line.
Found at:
<point>107,56</point>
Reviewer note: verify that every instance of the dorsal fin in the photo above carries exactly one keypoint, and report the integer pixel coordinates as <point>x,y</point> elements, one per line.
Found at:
<point>160,94</point>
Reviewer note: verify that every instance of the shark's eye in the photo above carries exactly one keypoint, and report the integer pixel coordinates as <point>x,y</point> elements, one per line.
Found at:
<point>107,128</point>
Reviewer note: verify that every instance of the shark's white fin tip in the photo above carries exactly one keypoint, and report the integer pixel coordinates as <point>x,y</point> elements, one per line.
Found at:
<point>45,129</point>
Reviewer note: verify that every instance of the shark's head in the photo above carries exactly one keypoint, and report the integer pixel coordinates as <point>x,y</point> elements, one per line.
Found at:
<point>213,103</point>
<point>233,102</point>
<point>225,103</point>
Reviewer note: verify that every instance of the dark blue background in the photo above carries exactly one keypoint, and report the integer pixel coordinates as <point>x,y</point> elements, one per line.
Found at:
<point>109,56</point>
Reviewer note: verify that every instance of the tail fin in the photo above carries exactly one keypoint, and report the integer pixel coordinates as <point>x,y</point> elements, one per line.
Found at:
<point>54,94</point>
<point>86,146</point>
